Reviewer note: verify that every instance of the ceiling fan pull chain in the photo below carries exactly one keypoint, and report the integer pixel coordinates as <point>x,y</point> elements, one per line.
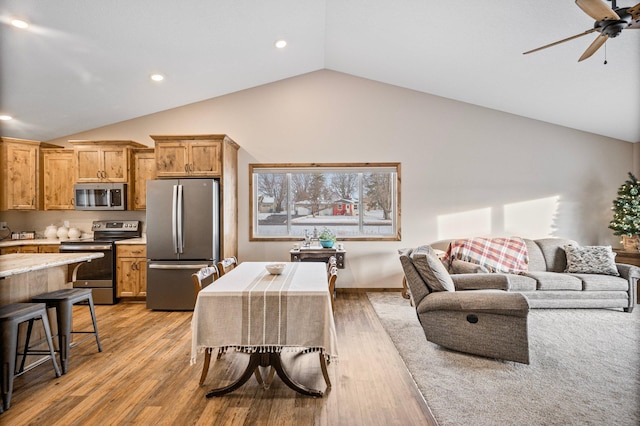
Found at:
<point>605,54</point>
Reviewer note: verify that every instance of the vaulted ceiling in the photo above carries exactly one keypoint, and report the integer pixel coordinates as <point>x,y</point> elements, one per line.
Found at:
<point>83,64</point>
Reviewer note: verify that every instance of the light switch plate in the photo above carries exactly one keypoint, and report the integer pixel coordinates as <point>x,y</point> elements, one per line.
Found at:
<point>3,225</point>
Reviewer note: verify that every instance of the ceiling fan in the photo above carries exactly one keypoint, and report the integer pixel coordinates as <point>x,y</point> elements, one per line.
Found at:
<point>610,21</point>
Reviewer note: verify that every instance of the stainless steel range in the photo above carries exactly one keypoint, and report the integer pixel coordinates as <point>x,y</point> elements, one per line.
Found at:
<point>100,274</point>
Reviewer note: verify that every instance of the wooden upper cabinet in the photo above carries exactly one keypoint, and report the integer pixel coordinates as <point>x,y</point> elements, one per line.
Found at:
<point>205,158</point>
<point>20,183</point>
<point>57,187</point>
<point>144,169</point>
<point>103,161</point>
<point>190,156</point>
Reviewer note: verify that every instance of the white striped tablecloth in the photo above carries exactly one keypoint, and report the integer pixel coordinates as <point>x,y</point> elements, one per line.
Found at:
<point>251,309</point>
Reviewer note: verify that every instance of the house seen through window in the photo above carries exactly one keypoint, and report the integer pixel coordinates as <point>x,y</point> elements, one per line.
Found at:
<point>359,201</point>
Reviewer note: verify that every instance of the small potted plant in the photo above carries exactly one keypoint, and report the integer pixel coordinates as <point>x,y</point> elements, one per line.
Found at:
<point>327,238</point>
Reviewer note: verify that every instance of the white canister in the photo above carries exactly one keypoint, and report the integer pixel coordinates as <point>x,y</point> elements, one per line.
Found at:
<point>51,232</point>
<point>63,233</point>
<point>74,233</point>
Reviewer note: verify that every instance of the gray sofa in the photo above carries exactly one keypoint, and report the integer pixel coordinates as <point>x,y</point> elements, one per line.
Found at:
<point>486,313</point>
<point>546,285</point>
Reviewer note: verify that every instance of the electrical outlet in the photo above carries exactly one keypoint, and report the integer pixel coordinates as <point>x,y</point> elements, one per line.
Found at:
<point>3,226</point>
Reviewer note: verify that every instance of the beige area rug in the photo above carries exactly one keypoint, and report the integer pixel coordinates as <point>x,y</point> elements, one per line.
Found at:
<point>585,370</point>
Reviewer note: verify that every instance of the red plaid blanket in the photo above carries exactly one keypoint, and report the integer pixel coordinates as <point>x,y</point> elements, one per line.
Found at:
<point>507,255</point>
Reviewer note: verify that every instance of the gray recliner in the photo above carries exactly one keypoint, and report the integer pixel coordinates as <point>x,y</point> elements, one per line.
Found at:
<point>490,323</point>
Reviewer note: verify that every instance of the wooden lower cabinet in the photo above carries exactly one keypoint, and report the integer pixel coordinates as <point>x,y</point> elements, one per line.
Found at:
<point>31,248</point>
<point>131,270</point>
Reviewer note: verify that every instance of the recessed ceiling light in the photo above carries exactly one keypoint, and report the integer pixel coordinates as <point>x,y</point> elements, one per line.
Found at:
<point>5,117</point>
<point>157,77</point>
<point>281,44</point>
<point>19,23</point>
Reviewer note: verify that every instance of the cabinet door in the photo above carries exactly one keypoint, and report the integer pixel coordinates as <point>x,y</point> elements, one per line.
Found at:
<point>58,188</point>
<point>171,159</point>
<point>115,164</point>
<point>89,164</point>
<point>144,168</point>
<point>10,250</point>
<point>205,158</point>
<point>142,276</point>
<point>21,186</point>
<point>127,277</point>
<point>48,248</point>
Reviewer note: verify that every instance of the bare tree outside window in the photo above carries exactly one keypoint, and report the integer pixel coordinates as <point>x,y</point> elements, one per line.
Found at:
<point>355,201</point>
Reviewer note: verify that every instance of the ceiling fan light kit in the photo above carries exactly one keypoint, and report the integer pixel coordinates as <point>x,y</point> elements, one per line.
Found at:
<point>610,21</point>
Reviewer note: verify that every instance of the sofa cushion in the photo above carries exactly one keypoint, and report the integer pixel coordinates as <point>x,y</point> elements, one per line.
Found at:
<point>463,267</point>
<point>553,252</point>
<point>519,282</point>
<point>536,258</point>
<point>481,281</point>
<point>598,282</point>
<point>555,281</point>
<point>418,288</point>
<point>431,269</point>
<point>591,260</point>
<point>478,301</point>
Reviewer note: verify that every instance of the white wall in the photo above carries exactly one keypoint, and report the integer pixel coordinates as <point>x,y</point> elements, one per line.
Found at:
<point>466,170</point>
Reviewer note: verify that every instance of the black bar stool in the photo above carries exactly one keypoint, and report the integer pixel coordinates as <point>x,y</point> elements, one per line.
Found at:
<point>11,316</point>
<point>63,301</point>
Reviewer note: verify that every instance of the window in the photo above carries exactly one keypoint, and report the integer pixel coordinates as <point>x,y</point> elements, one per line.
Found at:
<point>355,201</point>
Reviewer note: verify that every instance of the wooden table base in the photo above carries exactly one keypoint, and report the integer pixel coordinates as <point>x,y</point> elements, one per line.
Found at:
<point>264,360</point>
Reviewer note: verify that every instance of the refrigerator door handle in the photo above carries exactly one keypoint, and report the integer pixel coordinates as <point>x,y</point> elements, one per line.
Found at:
<point>180,221</point>
<point>174,213</point>
<point>165,266</point>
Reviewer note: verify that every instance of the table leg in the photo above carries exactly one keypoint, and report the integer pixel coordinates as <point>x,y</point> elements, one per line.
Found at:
<point>276,362</point>
<point>264,360</point>
<point>254,362</point>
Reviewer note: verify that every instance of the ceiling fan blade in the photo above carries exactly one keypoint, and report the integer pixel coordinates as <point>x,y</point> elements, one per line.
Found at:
<point>597,9</point>
<point>597,44</point>
<point>561,41</point>
<point>634,11</point>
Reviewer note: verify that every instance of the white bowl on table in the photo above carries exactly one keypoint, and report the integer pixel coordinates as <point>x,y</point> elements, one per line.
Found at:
<point>275,268</point>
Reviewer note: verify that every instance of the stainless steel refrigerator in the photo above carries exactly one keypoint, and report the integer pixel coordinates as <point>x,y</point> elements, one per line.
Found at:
<point>183,223</point>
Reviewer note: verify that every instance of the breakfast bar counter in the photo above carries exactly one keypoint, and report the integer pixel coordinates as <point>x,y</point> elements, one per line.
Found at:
<point>25,275</point>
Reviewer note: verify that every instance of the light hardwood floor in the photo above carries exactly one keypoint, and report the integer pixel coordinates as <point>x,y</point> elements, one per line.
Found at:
<point>143,377</point>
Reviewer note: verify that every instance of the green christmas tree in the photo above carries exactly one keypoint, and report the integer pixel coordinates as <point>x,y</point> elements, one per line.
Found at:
<point>626,209</point>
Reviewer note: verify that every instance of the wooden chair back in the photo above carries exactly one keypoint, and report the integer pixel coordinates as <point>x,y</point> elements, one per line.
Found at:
<point>333,276</point>
<point>227,264</point>
<point>331,263</point>
<point>204,277</point>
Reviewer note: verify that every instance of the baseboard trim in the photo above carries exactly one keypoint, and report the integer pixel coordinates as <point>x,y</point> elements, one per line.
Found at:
<point>367,290</point>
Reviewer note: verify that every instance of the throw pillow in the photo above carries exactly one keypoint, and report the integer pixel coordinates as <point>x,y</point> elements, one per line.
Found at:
<point>591,260</point>
<point>462,267</point>
<point>431,269</point>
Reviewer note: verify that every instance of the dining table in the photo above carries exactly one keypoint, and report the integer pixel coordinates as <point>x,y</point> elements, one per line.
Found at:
<point>253,311</point>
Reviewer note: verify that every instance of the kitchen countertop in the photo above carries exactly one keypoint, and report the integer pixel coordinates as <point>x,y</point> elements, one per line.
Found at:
<point>141,240</point>
<point>19,263</point>
<point>39,241</point>
<point>43,241</point>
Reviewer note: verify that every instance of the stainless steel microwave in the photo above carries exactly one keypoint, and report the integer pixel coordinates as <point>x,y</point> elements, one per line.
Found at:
<point>100,196</point>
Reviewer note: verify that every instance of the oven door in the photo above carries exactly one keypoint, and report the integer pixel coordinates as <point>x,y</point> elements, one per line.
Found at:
<point>98,274</point>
